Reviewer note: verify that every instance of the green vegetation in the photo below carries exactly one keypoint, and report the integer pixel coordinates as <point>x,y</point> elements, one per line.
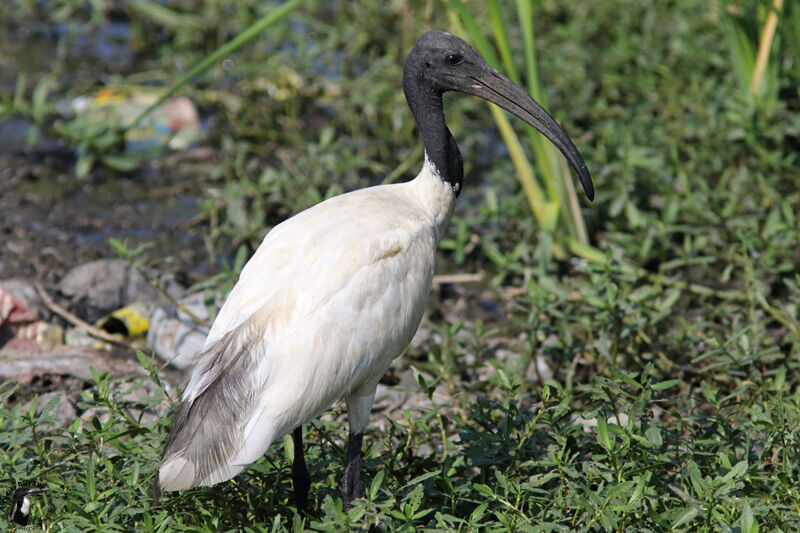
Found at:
<point>560,198</point>
<point>656,390</point>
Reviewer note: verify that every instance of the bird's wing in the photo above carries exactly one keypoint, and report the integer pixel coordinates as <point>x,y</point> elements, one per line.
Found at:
<point>273,337</point>
<point>305,261</point>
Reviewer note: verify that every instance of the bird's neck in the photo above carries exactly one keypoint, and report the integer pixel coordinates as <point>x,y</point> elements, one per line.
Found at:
<point>440,146</point>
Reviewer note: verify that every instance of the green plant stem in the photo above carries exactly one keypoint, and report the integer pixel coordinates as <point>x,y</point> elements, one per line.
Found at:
<point>555,196</point>
<point>220,53</point>
<point>545,212</point>
<point>764,46</point>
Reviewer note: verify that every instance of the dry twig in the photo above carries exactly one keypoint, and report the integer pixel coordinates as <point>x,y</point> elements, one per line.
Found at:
<point>95,332</point>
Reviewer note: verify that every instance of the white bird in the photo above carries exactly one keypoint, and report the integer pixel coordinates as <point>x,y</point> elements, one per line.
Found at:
<point>334,294</point>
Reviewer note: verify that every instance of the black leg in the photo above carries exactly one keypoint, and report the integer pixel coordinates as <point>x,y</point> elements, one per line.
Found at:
<point>351,484</point>
<point>300,476</point>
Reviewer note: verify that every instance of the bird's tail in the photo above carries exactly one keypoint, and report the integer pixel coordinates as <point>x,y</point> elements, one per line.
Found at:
<point>206,433</point>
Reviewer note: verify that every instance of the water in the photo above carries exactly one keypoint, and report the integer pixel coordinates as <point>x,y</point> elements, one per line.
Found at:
<point>50,220</point>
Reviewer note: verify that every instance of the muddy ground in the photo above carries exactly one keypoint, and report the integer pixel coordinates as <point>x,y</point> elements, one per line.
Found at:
<point>51,221</point>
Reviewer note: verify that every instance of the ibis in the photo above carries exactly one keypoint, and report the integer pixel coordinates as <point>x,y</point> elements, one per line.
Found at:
<point>335,293</point>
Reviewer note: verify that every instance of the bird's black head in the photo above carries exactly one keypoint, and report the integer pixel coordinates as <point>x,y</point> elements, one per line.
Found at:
<point>441,62</point>
<point>20,504</point>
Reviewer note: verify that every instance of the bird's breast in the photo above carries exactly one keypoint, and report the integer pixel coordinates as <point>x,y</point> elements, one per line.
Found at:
<point>372,315</point>
<point>333,295</point>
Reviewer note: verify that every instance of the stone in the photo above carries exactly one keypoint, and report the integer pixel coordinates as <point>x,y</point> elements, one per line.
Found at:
<point>176,337</point>
<point>100,287</point>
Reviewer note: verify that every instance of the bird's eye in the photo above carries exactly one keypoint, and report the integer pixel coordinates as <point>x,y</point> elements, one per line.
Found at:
<point>453,59</point>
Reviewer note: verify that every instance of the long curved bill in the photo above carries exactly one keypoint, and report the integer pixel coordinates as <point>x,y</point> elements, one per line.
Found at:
<point>497,89</point>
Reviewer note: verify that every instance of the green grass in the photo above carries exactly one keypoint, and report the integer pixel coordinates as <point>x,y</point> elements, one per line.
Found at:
<point>660,391</point>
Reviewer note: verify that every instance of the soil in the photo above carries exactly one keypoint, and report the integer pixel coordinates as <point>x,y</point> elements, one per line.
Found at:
<point>50,221</point>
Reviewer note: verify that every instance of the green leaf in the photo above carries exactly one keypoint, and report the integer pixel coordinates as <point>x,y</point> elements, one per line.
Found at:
<point>84,165</point>
<point>668,301</point>
<point>700,485</point>
<point>504,379</point>
<point>484,490</point>
<point>376,484</point>
<point>602,435</point>
<point>665,384</point>
<point>641,484</point>
<point>687,516</point>
<point>478,513</point>
<point>90,480</point>
<point>121,162</point>
<point>625,378</point>
<point>709,394</point>
<point>737,470</point>
<point>218,55</point>
<point>749,523</point>
<point>419,479</point>
<point>166,17</point>
<point>653,434</point>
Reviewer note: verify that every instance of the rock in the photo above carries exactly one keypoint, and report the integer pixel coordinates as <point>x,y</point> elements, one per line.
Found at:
<point>176,337</point>
<point>589,423</point>
<point>61,376</point>
<point>407,395</point>
<point>60,414</point>
<point>79,337</point>
<point>49,336</point>
<point>64,360</point>
<point>20,301</point>
<point>97,288</point>
<point>20,311</point>
<point>539,370</point>
<point>133,395</point>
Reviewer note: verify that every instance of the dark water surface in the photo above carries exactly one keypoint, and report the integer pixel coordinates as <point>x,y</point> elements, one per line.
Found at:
<point>50,220</point>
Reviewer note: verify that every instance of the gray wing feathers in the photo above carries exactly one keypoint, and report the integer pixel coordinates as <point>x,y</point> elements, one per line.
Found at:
<point>206,431</point>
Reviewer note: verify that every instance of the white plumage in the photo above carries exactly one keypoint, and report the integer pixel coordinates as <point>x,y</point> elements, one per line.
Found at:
<point>334,294</point>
